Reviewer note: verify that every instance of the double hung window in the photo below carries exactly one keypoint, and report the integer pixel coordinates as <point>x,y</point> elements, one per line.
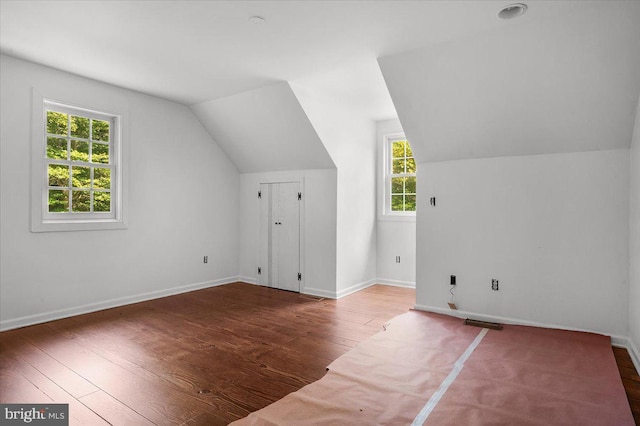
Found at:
<point>400,177</point>
<point>78,163</point>
<point>78,166</point>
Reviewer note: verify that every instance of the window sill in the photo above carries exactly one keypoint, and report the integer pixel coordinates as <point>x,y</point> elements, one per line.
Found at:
<point>78,225</point>
<point>397,218</point>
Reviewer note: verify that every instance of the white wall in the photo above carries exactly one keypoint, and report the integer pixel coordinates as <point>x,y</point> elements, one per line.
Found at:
<point>634,246</point>
<point>350,141</point>
<point>264,130</point>
<point>183,203</point>
<point>395,236</point>
<point>318,222</point>
<point>553,229</point>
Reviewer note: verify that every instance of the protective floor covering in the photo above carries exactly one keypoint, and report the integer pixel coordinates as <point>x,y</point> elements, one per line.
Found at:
<point>516,376</point>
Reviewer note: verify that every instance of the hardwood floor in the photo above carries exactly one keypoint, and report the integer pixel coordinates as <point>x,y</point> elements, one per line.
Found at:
<point>630,380</point>
<point>201,358</point>
<point>205,357</point>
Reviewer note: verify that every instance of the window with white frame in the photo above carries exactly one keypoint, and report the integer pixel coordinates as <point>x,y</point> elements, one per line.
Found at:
<point>78,169</point>
<point>400,177</point>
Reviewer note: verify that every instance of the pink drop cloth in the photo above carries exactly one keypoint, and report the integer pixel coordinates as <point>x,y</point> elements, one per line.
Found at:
<point>516,376</point>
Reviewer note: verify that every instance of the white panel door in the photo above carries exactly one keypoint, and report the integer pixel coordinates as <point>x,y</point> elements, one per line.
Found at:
<point>287,236</point>
<point>266,228</point>
<point>279,256</point>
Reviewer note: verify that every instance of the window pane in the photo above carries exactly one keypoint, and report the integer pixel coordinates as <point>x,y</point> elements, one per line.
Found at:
<point>79,150</point>
<point>410,185</point>
<point>57,148</point>
<point>408,147</point>
<point>100,153</point>
<point>58,201</point>
<point>398,149</point>
<point>101,201</point>
<point>402,180</point>
<point>80,127</point>
<point>397,185</point>
<point>81,201</point>
<point>58,175</point>
<point>396,203</point>
<point>398,166</point>
<point>100,130</point>
<point>57,123</point>
<point>411,165</point>
<point>102,178</point>
<point>410,203</point>
<point>81,160</point>
<point>81,177</point>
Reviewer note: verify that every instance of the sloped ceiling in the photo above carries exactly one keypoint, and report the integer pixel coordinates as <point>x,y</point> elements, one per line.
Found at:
<point>194,51</point>
<point>560,85</point>
<point>264,130</point>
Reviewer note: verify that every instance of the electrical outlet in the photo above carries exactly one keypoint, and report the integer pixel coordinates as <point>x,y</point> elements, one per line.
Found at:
<point>452,280</point>
<point>397,259</point>
<point>206,259</point>
<point>494,284</point>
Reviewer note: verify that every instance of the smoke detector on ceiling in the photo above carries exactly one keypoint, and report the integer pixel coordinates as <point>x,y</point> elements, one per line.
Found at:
<point>512,11</point>
<point>256,20</point>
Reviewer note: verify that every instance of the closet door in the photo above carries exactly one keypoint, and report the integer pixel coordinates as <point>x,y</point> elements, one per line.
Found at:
<point>266,229</point>
<point>280,235</point>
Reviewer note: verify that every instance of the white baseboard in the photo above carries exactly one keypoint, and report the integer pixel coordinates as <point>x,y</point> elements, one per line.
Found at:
<point>107,304</point>
<point>354,288</point>
<point>248,280</point>
<point>396,283</point>
<point>635,354</point>
<point>615,339</point>
<point>306,290</point>
<point>626,343</point>
<point>342,293</point>
<point>339,294</point>
<point>319,292</point>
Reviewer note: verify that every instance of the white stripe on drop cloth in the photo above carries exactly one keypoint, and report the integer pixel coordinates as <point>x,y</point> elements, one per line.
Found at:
<point>457,368</point>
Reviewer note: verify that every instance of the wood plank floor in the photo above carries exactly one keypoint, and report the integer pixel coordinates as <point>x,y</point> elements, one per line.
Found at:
<point>202,358</point>
<point>630,379</point>
<point>206,357</point>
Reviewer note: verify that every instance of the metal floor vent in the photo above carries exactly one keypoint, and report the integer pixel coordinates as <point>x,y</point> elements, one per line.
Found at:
<point>483,324</point>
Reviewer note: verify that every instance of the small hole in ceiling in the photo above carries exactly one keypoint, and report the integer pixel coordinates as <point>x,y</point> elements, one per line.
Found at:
<point>512,11</point>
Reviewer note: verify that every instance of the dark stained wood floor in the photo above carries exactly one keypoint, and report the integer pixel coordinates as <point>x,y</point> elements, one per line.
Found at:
<point>207,357</point>
<point>202,358</point>
<point>630,380</point>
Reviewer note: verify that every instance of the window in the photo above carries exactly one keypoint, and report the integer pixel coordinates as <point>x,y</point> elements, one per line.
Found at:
<point>77,169</point>
<point>400,184</point>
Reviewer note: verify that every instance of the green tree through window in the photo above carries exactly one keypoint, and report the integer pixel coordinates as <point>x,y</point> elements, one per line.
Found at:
<point>402,177</point>
<point>78,163</point>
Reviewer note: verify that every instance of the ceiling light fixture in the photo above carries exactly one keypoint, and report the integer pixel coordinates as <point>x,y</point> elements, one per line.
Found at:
<point>512,11</point>
<point>256,20</point>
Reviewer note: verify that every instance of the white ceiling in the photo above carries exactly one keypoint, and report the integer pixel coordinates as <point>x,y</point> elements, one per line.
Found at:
<point>196,51</point>
<point>568,84</point>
